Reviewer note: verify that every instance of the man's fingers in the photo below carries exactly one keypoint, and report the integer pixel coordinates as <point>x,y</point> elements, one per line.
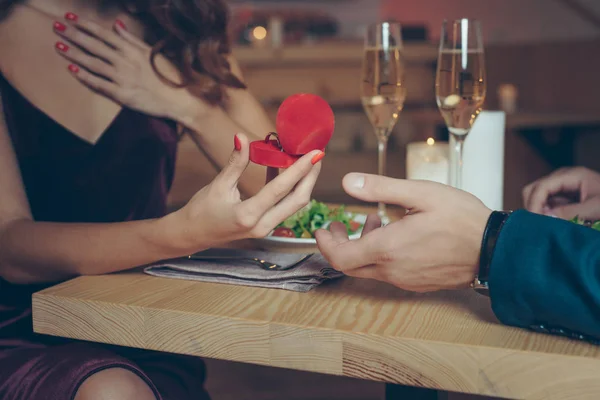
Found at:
<point>345,254</point>
<point>325,238</point>
<point>538,196</point>
<point>560,201</point>
<point>406,193</point>
<point>367,272</point>
<point>373,222</point>
<point>339,231</point>
<point>527,193</point>
<point>589,210</point>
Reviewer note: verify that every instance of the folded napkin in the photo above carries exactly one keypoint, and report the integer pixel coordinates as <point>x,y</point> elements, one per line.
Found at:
<point>303,278</point>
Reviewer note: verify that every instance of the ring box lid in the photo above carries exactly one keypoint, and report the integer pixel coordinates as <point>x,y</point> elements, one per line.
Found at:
<point>305,122</point>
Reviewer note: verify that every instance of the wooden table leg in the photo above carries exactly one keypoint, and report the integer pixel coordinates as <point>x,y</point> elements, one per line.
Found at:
<point>400,392</point>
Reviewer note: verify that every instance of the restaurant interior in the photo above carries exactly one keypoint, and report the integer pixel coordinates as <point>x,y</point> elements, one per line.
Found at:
<point>543,64</point>
<point>527,105</point>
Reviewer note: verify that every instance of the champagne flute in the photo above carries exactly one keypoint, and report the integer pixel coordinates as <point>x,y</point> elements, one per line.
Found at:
<point>460,85</point>
<point>383,88</point>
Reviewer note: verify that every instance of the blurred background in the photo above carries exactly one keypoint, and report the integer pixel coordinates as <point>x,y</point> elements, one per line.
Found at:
<point>543,65</point>
<point>543,57</point>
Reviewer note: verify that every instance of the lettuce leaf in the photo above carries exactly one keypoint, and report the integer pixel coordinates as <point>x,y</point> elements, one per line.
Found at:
<point>315,216</point>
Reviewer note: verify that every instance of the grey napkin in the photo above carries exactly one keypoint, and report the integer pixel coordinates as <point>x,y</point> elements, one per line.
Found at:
<point>303,278</point>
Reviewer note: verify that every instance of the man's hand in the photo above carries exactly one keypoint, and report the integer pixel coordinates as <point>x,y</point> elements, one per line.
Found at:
<point>566,193</point>
<point>435,246</point>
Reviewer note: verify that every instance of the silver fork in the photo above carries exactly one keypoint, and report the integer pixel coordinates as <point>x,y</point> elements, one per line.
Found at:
<point>264,264</point>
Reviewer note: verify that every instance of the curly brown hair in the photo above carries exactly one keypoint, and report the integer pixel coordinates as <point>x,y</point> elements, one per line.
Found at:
<point>192,34</point>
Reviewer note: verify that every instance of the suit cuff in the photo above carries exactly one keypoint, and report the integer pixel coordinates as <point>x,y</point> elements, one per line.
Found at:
<point>507,280</point>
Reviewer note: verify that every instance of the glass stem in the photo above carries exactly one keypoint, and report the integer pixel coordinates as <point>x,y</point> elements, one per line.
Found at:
<point>456,166</point>
<point>381,170</point>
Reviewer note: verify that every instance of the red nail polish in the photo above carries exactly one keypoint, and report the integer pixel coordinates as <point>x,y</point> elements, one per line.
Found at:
<point>120,24</point>
<point>73,68</point>
<point>60,27</point>
<point>237,143</point>
<point>318,157</point>
<point>62,47</point>
<point>71,16</point>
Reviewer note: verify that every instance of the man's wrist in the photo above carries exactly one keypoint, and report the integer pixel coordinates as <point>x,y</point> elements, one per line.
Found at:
<point>494,226</point>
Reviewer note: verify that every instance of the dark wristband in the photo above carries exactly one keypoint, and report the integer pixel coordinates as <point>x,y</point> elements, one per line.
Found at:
<point>488,245</point>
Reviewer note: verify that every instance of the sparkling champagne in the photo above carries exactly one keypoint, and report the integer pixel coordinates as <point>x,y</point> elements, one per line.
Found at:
<point>460,88</point>
<point>383,92</point>
<point>383,88</point>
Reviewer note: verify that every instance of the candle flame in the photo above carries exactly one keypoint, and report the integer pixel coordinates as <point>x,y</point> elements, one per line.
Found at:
<point>431,141</point>
<point>260,32</point>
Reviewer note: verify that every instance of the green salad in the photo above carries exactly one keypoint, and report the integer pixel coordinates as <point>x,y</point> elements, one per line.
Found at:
<point>315,216</point>
<point>580,221</point>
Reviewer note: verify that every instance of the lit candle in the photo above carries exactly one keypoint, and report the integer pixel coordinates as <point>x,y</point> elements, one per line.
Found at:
<point>428,161</point>
<point>507,97</point>
<point>258,36</point>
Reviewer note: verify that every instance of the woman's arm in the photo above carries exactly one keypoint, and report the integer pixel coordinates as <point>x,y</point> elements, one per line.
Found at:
<point>132,82</point>
<point>243,113</point>
<point>212,131</point>
<point>245,109</point>
<point>35,252</point>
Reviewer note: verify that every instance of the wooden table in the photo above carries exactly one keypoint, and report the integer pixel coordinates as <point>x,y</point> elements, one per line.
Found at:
<point>449,341</point>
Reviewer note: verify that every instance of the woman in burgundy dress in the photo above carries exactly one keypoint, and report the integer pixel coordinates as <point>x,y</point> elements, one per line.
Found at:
<point>90,119</point>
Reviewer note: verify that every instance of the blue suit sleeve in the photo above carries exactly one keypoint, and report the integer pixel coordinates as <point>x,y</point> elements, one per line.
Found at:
<point>545,273</point>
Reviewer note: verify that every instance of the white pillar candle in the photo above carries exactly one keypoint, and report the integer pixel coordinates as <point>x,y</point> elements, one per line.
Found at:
<point>427,161</point>
<point>276,32</point>
<point>483,168</point>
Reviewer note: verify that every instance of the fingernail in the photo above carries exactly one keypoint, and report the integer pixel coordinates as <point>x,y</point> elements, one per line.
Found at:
<point>59,27</point>
<point>357,181</point>
<point>73,68</point>
<point>120,24</point>
<point>62,47</point>
<point>237,143</point>
<point>317,157</point>
<point>71,16</point>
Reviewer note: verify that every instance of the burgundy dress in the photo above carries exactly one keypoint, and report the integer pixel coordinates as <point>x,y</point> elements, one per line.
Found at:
<point>125,176</point>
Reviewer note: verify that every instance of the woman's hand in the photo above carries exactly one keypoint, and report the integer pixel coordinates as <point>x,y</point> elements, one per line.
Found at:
<point>566,193</point>
<point>116,64</point>
<point>435,246</point>
<point>217,215</point>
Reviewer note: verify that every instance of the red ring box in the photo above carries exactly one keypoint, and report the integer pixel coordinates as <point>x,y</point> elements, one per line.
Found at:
<point>305,122</point>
